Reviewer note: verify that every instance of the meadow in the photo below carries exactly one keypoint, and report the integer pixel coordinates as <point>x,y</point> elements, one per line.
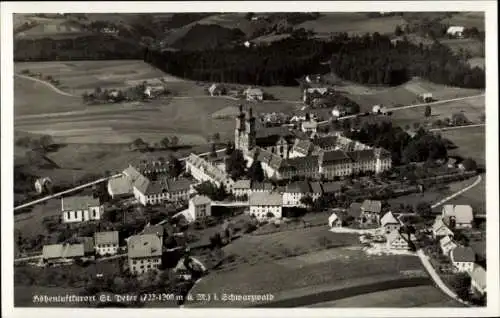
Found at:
<point>471,142</point>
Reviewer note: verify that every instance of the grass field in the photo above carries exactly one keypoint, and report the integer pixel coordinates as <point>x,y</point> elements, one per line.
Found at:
<point>352,23</point>
<point>325,267</point>
<point>475,197</point>
<point>471,142</point>
<point>420,296</point>
<point>477,62</point>
<point>473,46</point>
<point>467,19</point>
<point>472,108</point>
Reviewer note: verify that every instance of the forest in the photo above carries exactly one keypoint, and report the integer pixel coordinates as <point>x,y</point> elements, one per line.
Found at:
<point>369,59</point>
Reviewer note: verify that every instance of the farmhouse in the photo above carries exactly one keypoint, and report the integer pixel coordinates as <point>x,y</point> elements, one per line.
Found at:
<point>314,91</point>
<point>463,259</point>
<point>254,94</point>
<point>242,188</point>
<point>144,253</point>
<point>265,204</point>
<point>199,207</point>
<point>62,253</point>
<point>120,187</point>
<point>149,192</point>
<point>447,245</point>
<point>389,222</point>
<point>457,216</point>
<point>80,209</point>
<point>398,241</point>
<point>455,31</point>
<point>370,211</point>
<point>294,192</point>
<point>310,126</point>
<point>215,90</point>
<point>334,220</point>
<point>426,97</point>
<point>106,243</point>
<point>478,280</point>
<point>440,229</point>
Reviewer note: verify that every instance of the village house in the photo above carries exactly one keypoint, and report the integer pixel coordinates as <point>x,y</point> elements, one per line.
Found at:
<point>242,188</point>
<point>334,164</point>
<point>88,245</point>
<point>457,216</point>
<point>106,243</point>
<point>455,31</point>
<point>200,207</point>
<point>263,204</point>
<point>478,280</point>
<point>399,241</point>
<point>203,170</point>
<point>144,253</point>
<point>149,192</point>
<point>389,222</point>
<point>261,187</point>
<point>62,253</point>
<point>310,126</point>
<point>370,211</point>
<point>80,209</point>
<point>254,94</point>
<point>332,187</point>
<point>463,259</point>
<point>426,97</point>
<point>294,192</point>
<point>334,220</point>
<point>120,187</point>
<point>157,230</point>
<point>440,229</point>
<point>316,190</point>
<point>447,245</point>
<point>301,148</point>
<point>314,91</point>
<point>215,90</point>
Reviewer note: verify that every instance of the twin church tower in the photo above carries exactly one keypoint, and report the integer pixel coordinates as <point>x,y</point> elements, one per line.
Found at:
<point>244,134</point>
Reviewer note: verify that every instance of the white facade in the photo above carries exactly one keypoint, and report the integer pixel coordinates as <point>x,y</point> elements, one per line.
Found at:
<point>464,267</point>
<point>139,266</point>
<point>89,214</point>
<point>261,211</point>
<point>199,208</point>
<point>292,199</point>
<point>106,249</point>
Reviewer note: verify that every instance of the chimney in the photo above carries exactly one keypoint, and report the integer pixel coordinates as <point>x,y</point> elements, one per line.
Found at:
<point>250,113</point>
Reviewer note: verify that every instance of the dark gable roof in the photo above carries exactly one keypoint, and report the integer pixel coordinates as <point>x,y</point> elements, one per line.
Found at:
<point>298,187</point>
<point>303,146</point>
<point>181,184</point>
<point>299,163</point>
<point>354,210</point>
<point>262,186</point>
<point>335,156</point>
<point>316,187</point>
<point>362,155</point>
<point>272,160</point>
<point>332,187</point>
<point>463,254</point>
<point>269,136</point>
<point>325,142</point>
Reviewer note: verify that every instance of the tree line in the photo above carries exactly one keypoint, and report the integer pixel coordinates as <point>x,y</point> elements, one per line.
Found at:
<point>368,59</point>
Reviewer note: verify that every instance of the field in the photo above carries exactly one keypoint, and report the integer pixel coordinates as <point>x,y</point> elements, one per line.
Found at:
<point>77,77</point>
<point>468,20</point>
<point>471,142</point>
<point>264,264</point>
<point>420,296</point>
<point>472,109</point>
<point>352,23</point>
<point>475,197</point>
<point>473,46</point>
<point>477,62</point>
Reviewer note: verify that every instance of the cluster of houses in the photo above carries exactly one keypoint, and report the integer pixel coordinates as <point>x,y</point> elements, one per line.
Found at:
<point>463,258</point>
<point>250,93</point>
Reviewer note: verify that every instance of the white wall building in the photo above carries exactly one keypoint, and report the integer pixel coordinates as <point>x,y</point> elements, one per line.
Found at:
<point>200,206</point>
<point>463,259</point>
<point>80,209</point>
<point>106,243</point>
<point>264,203</point>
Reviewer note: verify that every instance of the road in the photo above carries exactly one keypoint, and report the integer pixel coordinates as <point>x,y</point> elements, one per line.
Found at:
<point>413,106</point>
<point>457,127</point>
<point>448,198</point>
<point>49,85</point>
<point>55,195</point>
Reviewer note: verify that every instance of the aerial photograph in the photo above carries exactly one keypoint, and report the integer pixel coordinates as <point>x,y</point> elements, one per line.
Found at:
<point>249,160</point>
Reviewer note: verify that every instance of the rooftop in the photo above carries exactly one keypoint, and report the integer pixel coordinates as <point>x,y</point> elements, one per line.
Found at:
<point>109,237</point>
<point>145,245</point>
<point>63,251</point>
<point>201,199</point>
<point>373,206</point>
<point>388,218</point>
<point>333,186</point>
<point>120,185</point>
<point>79,202</point>
<point>463,254</point>
<point>298,187</point>
<point>242,184</point>
<point>335,156</point>
<point>154,229</point>
<point>265,198</point>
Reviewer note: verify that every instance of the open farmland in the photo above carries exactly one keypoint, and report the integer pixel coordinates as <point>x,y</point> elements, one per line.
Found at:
<point>471,142</point>
<point>477,62</point>
<point>467,19</point>
<point>472,109</point>
<point>473,46</point>
<point>352,23</point>
<point>77,77</point>
<point>420,296</point>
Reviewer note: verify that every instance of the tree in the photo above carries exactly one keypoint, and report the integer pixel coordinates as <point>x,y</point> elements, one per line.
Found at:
<point>416,125</point>
<point>307,200</point>
<point>459,119</point>
<point>174,141</point>
<point>398,31</point>
<point>469,164</point>
<point>46,141</point>
<point>174,166</point>
<point>229,148</point>
<point>216,137</point>
<point>165,142</point>
<point>428,111</point>
<point>255,172</point>
<point>140,144</point>
<point>236,164</point>
<point>249,15</point>
<point>424,209</point>
<point>213,151</point>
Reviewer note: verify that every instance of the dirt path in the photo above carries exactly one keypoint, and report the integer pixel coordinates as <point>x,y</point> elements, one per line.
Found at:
<point>49,85</point>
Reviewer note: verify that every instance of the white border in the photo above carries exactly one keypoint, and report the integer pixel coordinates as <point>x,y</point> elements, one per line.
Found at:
<point>490,7</point>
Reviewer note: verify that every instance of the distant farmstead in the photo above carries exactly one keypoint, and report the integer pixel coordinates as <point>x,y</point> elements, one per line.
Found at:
<point>254,94</point>
<point>456,31</point>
